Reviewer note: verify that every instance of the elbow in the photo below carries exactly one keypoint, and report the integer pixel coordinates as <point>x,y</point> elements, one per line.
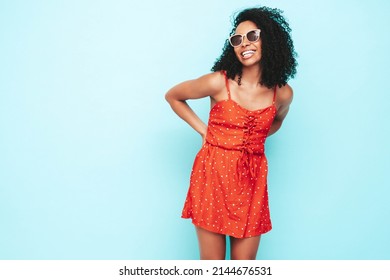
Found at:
<point>168,97</point>
<point>171,97</point>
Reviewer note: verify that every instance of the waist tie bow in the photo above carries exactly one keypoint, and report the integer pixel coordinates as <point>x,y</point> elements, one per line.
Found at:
<point>246,163</point>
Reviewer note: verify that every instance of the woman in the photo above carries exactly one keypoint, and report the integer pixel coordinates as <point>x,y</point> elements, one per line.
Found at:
<point>250,99</point>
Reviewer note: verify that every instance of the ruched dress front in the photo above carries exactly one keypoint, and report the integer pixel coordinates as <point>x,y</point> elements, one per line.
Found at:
<point>228,185</point>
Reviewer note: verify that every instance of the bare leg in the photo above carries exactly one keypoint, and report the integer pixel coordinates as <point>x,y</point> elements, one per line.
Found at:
<point>244,248</point>
<point>212,246</point>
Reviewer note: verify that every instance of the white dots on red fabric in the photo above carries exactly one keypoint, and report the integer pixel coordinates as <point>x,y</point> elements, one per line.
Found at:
<point>228,184</point>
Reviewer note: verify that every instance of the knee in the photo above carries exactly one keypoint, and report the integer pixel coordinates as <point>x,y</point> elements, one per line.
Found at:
<point>212,256</point>
<point>244,248</point>
<point>242,256</point>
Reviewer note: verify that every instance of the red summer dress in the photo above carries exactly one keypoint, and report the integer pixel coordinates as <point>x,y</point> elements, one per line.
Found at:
<point>228,185</point>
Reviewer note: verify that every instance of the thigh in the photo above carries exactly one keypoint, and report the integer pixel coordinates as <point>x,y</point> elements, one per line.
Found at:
<point>212,246</point>
<point>244,248</point>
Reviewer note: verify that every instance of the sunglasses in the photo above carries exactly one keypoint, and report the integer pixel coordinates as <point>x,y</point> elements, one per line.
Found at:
<point>252,36</point>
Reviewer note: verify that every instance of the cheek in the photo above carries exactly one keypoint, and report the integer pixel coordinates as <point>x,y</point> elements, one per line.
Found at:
<point>258,45</point>
<point>259,49</point>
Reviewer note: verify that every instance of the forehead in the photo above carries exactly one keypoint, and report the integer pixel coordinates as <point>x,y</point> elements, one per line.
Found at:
<point>245,26</point>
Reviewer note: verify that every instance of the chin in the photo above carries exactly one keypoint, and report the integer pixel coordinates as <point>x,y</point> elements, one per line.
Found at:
<point>247,63</point>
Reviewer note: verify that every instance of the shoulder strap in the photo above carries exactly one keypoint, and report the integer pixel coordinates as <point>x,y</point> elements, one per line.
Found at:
<point>273,101</point>
<point>227,83</point>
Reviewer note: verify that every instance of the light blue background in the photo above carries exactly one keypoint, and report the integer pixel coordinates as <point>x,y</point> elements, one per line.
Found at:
<point>95,165</point>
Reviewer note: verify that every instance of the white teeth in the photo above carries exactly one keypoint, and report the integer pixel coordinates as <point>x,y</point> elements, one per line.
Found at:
<point>247,53</point>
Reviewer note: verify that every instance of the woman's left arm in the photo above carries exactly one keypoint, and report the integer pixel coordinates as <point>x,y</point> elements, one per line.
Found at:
<point>284,98</point>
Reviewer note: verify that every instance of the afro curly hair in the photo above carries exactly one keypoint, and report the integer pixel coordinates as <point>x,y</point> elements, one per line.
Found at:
<point>278,57</point>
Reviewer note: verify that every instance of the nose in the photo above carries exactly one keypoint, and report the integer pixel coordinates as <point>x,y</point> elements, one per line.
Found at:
<point>245,41</point>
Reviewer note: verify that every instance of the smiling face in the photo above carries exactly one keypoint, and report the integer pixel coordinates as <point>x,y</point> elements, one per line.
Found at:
<point>248,53</point>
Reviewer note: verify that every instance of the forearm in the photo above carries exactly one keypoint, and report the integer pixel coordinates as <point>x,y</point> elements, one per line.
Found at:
<point>184,111</point>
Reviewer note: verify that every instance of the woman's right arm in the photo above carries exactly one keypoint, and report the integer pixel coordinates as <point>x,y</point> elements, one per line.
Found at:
<point>207,85</point>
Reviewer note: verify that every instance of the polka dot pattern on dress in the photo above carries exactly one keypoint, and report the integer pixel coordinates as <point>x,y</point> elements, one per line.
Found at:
<point>228,185</point>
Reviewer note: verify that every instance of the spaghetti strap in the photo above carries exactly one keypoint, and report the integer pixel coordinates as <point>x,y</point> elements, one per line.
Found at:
<point>273,100</point>
<point>226,83</point>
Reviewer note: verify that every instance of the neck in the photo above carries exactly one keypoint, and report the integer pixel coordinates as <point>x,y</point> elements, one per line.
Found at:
<point>250,76</point>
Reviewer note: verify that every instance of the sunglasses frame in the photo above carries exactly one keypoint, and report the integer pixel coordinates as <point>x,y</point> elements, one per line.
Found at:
<point>245,35</point>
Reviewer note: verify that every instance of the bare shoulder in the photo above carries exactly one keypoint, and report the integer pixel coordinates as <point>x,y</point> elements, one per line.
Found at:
<point>285,95</point>
<point>214,82</point>
<point>207,85</point>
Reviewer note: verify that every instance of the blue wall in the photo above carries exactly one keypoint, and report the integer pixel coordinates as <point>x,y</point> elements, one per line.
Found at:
<point>95,165</point>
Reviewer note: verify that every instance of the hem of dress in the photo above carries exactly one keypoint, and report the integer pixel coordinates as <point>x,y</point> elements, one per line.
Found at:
<point>224,232</point>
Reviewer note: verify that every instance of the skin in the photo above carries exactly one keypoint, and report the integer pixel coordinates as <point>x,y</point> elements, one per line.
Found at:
<point>250,95</point>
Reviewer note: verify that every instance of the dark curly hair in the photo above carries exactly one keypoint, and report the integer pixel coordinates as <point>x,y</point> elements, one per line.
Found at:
<point>278,57</point>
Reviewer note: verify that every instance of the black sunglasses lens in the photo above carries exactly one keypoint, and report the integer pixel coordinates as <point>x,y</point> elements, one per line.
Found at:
<point>236,40</point>
<point>252,36</point>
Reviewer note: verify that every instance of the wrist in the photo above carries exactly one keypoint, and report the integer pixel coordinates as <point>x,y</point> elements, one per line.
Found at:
<point>204,132</point>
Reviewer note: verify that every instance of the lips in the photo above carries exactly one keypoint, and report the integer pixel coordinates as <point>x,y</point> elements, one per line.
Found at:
<point>247,54</point>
